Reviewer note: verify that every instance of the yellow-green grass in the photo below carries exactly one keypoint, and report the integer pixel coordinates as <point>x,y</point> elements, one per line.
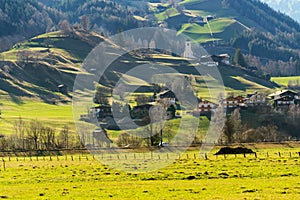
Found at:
<point>187,178</point>
<point>171,12</point>
<point>139,18</point>
<point>131,80</point>
<point>216,26</point>
<point>32,109</point>
<point>284,81</point>
<point>199,13</point>
<point>191,1</point>
<point>251,86</point>
<point>51,34</point>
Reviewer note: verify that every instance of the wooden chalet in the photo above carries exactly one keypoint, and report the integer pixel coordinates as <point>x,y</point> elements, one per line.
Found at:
<point>206,106</point>
<point>284,98</point>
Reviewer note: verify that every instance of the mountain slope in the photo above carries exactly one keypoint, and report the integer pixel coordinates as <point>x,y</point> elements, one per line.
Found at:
<point>36,67</point>
<point>23,19</point>
<point>263,34</point>
<point>290,7</point>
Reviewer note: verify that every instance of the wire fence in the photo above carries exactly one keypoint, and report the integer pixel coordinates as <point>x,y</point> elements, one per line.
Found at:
<point>84,156</point>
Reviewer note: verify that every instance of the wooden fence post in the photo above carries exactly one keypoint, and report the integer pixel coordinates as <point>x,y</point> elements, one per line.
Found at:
<point>4,168</point>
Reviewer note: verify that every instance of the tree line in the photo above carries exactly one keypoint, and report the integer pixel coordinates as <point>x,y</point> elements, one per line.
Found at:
<point>35,135</point>
<point>259,124</point>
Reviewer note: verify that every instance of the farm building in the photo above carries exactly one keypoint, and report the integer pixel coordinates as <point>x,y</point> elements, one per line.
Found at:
<point>284,98</point>
<point>256,99</point>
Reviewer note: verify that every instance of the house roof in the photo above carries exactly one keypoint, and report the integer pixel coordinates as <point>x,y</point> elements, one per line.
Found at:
<point>206,102</point>
<point>280,92</point>
<point>240,98</point>
<point>230,99</point>
<point>224,55</point>
<point>284,98</point>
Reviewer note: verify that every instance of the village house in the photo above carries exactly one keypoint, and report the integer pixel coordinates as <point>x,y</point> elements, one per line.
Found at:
<point>206,106</point>
<point>233,102</point>
<point>210,17</point>
<point>166,96</point>
<point>284,98</point>
<point>208,61</point>
<point>101,111</point>
<point>256,99</point>
<point>222,58</point>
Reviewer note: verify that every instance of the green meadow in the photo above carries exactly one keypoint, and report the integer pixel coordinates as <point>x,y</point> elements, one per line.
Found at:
<point>188,177</point>
<point>284,81</point>
<point>13,108</point>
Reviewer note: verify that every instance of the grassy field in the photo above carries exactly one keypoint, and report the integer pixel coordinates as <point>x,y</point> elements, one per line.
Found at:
<point>30,109</point>
<point>284,81</point>
<point>217,25</point>
<point>263,177</point>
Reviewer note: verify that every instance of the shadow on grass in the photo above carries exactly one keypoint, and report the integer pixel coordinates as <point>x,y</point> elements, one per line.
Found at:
<point>16,99</point>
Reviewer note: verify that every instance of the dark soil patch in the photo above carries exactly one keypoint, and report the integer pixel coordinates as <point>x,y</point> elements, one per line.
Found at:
<point>238,150</point>
<point>249,191</point>
<point>190,177</point>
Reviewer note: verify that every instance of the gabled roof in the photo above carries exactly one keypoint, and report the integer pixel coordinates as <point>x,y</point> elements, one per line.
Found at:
<point>284,98</point>
<point>206,102</point>
<point>230,99</point>
<point>280,92</point>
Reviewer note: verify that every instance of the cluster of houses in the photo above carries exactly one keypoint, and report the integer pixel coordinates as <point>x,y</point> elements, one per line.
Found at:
<point>166,98</point>
<point>282,98</point>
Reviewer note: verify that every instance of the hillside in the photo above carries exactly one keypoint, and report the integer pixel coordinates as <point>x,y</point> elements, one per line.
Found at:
<point>37,66</point>
<point>267,36</point>
<point>270,39</point>
<point>21,20</point>
<point>109,17</point>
